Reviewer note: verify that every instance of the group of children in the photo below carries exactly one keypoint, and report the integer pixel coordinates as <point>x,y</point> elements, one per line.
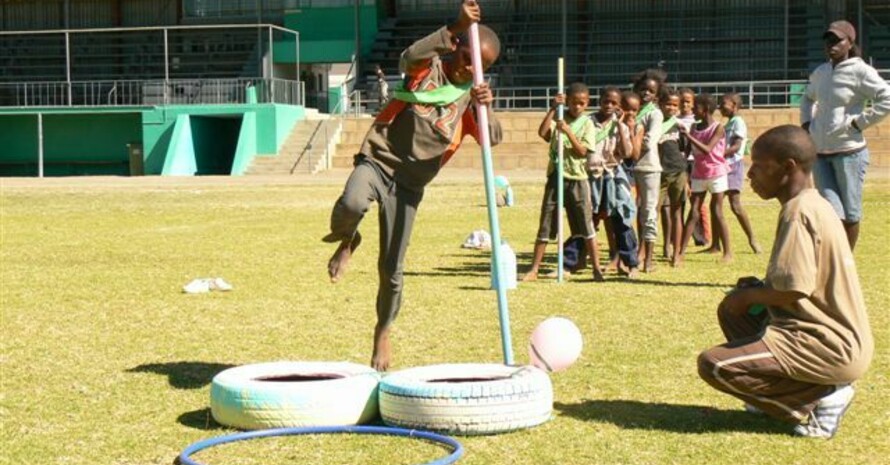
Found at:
<point>664,144</point>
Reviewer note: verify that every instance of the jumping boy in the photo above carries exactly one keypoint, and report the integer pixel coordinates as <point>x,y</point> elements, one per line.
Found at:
<point>404,150</point>
<point>579,139</point>
<point>796,360</point>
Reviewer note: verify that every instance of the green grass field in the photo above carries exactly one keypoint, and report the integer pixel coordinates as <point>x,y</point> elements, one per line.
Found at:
<point>105,361</point>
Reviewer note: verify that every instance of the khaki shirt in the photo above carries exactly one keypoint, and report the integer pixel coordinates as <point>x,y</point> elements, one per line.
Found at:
<point>823,338</point>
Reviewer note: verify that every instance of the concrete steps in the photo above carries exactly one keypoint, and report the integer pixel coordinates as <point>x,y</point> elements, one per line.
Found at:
<point>288,159</point>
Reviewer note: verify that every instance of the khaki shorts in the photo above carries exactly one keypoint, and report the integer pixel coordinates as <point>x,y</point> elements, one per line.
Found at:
<point>578,207</point>
<point>673,189</point>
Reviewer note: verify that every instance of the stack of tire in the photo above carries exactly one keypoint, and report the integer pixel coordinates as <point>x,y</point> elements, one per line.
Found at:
<point>463,399</point>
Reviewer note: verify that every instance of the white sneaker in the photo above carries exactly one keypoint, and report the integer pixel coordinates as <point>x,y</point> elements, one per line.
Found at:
<point>197,286</point>
<point>219,284</point>
<point>753,410</point>
<point>824,421</point>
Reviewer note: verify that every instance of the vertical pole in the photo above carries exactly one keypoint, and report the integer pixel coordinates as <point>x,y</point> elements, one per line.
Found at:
<point>565,24</point>
<point>862,32</point>
<point>787,28</point>
<point>68,65</point>
<point>488,171</point>
<point>560,162</point>
<point>40,145</point>
<point>166,67</point>
<point>358,41</point>
<point>302,98</point>
<point>271,67</point>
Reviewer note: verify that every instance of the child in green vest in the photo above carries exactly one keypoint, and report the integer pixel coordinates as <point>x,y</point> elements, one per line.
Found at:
<point>578,139</point>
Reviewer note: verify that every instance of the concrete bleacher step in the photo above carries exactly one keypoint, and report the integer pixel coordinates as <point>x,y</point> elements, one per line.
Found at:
<point>293,146</point>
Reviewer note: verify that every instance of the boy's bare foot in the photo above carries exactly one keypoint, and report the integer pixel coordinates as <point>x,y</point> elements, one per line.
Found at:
<point>598,275</point>
<point>338,262</point>
<point>614,265</point>
<point>648,266</point>
<point>755,247</point>
<point>380,359</point>
<point>531,276</point>
<point>677,262</point>
<point>633,273</point>
<point>667,251</point>
<point>726,258</point>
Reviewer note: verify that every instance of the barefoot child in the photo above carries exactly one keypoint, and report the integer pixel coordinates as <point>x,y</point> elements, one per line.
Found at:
<point>578,137</point>
<point>707,143</point>
<point>647,170</point>
<point>797,360</point>
<point>673,174</point>
<point>404,150</point>
<point>701,234</point>
<point>612,198</point>
<point>736,145</point>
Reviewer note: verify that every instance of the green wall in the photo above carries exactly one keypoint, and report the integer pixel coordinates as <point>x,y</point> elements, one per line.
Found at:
<point>94,140</point>
<point>73,143</point>
<point>327,35</point>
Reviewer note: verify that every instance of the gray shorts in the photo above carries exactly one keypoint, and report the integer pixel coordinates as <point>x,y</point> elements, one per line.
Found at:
<point>578,208</point>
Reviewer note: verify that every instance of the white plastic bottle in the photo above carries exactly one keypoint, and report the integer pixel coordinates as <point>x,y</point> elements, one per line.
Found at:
<point>507,267</point>
<point>509,197</point>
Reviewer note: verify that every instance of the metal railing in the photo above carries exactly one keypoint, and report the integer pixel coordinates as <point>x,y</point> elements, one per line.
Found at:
<point>321,145</point>
<point>148,92</point>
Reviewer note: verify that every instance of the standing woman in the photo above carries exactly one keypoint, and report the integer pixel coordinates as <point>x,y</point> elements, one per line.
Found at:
<point>833,111</point>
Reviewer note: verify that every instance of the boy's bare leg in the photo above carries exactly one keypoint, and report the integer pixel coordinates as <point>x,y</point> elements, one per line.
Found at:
<point>338,262</point>
<point>613,246</point>
<point>676,233</point>
<point>720,221</point>
<point>532,275</point>
<point>852,230</point>
<point>594,254</point>
<point>691,220</point>
<point>666,227</point>
<point>735,202</point>
<point>380,359</point>
<point>648,248</point>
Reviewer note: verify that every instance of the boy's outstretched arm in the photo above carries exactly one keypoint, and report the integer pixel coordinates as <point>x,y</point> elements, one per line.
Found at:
<point>441,42</point>
<point>544,131</point>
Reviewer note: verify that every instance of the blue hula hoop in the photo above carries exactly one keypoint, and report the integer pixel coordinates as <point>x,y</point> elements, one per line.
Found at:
<point>456,453</point>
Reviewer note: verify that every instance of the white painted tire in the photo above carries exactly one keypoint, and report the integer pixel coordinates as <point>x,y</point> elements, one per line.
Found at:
<point>292,394</point>
<point>478,399</point>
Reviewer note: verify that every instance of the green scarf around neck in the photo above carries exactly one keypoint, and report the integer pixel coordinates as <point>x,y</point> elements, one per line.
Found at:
<point>440,96</point>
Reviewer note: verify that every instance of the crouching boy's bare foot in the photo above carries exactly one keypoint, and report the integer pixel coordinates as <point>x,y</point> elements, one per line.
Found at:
<point>338,262</point>
<point>382,355</point>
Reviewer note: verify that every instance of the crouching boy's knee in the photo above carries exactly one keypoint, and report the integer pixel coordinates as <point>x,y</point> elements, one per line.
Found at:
<point>706,366</point>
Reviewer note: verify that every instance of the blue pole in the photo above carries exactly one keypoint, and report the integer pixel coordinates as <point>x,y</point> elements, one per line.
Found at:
<point>485,141</point>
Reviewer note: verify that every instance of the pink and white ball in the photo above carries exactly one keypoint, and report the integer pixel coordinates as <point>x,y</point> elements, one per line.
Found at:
<point>555,344</point>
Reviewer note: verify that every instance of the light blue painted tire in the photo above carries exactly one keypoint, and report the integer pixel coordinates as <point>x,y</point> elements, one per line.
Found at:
<point>479,399</point>
<point>244,397</point>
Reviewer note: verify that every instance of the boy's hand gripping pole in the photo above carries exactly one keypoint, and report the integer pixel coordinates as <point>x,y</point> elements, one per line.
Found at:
<point>485,141</point>
<point>560,161</point>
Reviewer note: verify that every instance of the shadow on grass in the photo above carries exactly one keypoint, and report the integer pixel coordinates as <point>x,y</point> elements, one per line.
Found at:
<point>679,283</point>
<point>692,419</point>
<point>184,375</point>
<point>199,419</point>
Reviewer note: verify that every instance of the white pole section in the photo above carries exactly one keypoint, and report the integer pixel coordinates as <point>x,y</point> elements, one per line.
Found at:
<point>40,145</point>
